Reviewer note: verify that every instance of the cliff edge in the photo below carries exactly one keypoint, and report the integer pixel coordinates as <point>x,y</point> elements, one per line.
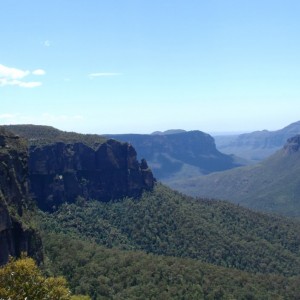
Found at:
<point>63,172</point>
<point>15,236</point>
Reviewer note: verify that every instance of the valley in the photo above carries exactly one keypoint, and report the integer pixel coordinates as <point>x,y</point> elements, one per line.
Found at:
<point>97,216</point>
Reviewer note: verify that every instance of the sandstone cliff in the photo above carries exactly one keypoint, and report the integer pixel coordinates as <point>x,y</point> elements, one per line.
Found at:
<point>63,172</point>
<point>178,154</point>
<point>292,145</point>
<point>15,237</point>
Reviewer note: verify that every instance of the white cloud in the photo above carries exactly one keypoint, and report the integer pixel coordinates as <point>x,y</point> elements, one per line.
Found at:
<point>47,43</point>
<point>39,72</point>
<point>31,84</point>
<point>14,77</point>
<point>24,84</point>
<point>12,73</point>
<point>103,74</point>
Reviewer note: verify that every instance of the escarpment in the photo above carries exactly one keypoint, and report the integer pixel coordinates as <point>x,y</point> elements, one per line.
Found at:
<point>15,236</point>
<point>62,172</point>
<point>292,145</point>
<point>56,172</point>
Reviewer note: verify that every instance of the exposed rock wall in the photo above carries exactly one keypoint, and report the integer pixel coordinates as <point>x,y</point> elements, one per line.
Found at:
<point>169,154</point>
<point>14,237</point>
<point>292,145</point>
<point>61,172</point>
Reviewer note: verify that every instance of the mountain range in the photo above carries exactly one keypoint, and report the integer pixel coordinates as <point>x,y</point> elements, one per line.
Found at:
<point>115,233</point>
<point>179,154</point>
<point>256,145</point>
<point>272,185</point>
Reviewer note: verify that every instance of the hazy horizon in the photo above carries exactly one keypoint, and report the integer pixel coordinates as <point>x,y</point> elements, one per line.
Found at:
<point>140,66</point>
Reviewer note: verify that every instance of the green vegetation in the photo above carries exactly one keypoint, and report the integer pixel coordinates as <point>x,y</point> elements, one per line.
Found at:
<point>169,246</point>
<point>167,223</point>
<point>163,245</point>
<point>21,279</point>
<point>117,274</point>
<point>40,135</point>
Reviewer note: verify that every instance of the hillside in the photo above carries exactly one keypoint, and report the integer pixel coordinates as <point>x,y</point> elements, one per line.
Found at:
<point>166,223</point>
<point>272,185</point>
<point>175,154</point>
<point>107,274</point>
<point>257,145</point>
<point>168,246</point>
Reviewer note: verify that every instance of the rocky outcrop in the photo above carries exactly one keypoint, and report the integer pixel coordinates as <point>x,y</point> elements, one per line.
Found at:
<point>292,145</point>
<point>63,172</point>
<point>14,236</point>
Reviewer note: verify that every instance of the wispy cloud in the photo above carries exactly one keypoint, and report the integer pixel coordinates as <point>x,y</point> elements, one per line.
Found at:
<point>103,74</point>
<point>47,43</point>
<point>39,72</point>
<point>15,77</point>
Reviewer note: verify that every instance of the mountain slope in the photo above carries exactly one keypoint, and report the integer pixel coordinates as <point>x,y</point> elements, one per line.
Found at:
<point>166,223</point>
<point>158,246</point>
<point>272,185</point>
<point>257,145</point>
<point>179,155</point>
<point>117,274</point>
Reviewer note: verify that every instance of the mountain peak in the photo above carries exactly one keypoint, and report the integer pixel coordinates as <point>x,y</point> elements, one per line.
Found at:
<point>167,132</point>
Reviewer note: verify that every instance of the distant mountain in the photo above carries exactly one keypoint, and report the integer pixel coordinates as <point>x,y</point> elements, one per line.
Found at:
<point>257,145</point>
<point>272,185</point>
<point>170,131</point>
<point>179,155</point>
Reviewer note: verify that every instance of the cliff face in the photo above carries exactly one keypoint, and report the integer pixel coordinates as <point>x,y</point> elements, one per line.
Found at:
<point>292,145</point>
<point>61,172</point>
<point>179,154</point>
<point>14,237</point>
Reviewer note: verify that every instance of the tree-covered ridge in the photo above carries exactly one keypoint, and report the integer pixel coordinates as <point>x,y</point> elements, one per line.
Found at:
<point>40,135</point>
<point>106,273</point>
<point>167,223</point>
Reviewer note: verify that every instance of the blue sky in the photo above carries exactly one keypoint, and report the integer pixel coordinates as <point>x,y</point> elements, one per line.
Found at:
<point>120,66</point>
